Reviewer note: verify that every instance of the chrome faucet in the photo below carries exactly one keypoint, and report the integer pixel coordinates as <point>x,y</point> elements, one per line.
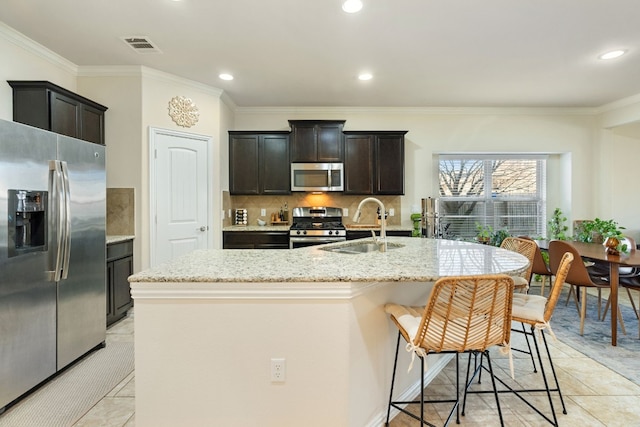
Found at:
<point>382,241</point>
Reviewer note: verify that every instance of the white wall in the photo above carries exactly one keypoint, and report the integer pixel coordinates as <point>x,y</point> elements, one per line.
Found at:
<point>23,59</point>
<point>566,134</point>
<point>138,99</point>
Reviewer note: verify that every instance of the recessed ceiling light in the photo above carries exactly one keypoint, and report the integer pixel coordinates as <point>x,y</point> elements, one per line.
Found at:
<point>352,6</point>
<point>613,54</point>
<point>225,76</point>
<point>365,76</point>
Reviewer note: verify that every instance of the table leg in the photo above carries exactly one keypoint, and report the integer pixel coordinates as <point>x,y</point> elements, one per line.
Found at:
<point>613,297</point>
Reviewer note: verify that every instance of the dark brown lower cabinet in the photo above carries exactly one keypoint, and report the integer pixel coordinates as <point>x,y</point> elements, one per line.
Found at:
<point>255,239</point>
<point>119,268</point>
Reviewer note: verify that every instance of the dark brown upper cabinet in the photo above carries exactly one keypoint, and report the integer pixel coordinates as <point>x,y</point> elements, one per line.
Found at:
<point>317,140</point>
<point>259,163</point>
<point>48,106</point>
<point>374,162</point>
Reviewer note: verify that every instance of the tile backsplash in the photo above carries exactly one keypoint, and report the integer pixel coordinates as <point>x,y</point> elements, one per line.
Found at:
<point>121,212</point>
<point>271,204</point>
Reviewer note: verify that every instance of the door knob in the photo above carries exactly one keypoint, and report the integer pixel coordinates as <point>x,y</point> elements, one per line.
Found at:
<point>203,228</point>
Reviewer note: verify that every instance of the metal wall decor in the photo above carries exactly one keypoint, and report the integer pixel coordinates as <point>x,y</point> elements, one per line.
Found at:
<point>183,111</point>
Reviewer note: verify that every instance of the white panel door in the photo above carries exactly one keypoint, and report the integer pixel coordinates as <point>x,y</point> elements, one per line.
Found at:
<point>181,194</point>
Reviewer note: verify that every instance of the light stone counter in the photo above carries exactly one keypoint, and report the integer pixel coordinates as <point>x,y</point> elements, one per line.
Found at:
<point>118,238</point>
<point>420,260</point>
<point>209,324</point>
<point>241,228</point>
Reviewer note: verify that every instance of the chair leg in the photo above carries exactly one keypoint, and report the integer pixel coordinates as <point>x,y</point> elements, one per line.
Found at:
<point>495,389</point>
<point>620,319</point>
<point>526,338</point>
<point>393,379</point>
<point>633,304</point>
<point>544,376</point>
<point>583,310</point>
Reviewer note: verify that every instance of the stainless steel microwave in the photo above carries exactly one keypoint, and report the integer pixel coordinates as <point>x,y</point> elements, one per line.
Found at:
<point>317,177</point>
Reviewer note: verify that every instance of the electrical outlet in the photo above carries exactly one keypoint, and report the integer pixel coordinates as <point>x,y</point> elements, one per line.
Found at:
<point>392,212</point>
<point>278,370</point>
<point>263,212</point>
<point>345,212</point>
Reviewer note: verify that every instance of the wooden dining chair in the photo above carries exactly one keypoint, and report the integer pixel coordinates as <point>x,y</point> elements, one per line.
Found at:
<point>540,267</point>
<point>464,314</point>
<point>577,276</point>
<point>628,278</point>
<point>632,283</point>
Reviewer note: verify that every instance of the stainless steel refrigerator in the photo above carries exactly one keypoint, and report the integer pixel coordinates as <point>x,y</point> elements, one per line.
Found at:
<point>52,254</point>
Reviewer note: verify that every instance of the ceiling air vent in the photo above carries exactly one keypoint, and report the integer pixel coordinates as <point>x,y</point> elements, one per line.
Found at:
<point>141,44</point>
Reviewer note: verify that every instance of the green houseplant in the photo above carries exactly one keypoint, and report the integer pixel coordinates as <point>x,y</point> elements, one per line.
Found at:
<point>499,236</point>
<point>599,231</point>
<point>483,233</point>
<point>557,226</point>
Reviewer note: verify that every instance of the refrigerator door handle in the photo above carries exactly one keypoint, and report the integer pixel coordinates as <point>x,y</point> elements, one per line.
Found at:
<point>59,206</point>
<point>66,191</point>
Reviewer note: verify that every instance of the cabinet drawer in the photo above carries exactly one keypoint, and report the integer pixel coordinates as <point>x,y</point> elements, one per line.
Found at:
<point>119,250</point>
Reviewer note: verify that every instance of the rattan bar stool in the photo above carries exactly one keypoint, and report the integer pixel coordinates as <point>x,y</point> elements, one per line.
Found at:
<point>464,314</point>
<point>527,248</point>
<point>536,311</point>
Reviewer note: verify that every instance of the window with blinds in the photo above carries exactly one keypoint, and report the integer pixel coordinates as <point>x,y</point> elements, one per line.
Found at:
<point>502,191</point>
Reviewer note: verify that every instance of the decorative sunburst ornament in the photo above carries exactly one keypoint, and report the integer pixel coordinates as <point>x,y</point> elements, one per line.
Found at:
<point>183,111</point>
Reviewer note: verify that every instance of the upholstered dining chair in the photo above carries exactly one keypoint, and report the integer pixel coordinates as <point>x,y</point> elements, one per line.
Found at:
<point>632,283</point>
<point>628,278</point>
<point>527,248</point>
<point>578,276</point>
<point>536,312</point>
<point>464,314</point>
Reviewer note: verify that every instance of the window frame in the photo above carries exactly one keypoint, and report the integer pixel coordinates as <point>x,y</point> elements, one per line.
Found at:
<point>491,203</point>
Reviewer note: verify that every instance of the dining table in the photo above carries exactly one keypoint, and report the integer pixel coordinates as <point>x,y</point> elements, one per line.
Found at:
<point>598,252</point>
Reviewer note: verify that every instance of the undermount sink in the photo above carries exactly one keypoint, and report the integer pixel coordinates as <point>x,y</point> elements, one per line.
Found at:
<point>361,248</point>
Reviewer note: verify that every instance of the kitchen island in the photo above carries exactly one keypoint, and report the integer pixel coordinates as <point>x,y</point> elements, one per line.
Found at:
<point>208,324</point>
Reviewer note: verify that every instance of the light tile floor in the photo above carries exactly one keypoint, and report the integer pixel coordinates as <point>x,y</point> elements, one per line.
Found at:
<point>594,395</point>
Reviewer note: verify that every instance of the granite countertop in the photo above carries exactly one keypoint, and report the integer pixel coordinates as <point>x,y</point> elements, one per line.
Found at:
<point>419,260</point>
<point>349,227</point>
<point>241,228</point>
<point>118,238</point>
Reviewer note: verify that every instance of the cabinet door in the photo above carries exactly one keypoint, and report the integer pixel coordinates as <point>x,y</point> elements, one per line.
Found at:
<point>122,269</point>
<point>389,164</point>
<point>110,306</point>
<point>358,164</point>
<point>92,124</point>
<point>329,142</point>
<point>275,175</point>
<point>304,143</point>
<point>65,115</point>
<point>243,164</point>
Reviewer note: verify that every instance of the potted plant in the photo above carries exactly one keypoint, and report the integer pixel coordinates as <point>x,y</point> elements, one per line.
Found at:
<point>607,232</point>
<point>483,233</point>
<point>557,226</point>
<point>499,236</point>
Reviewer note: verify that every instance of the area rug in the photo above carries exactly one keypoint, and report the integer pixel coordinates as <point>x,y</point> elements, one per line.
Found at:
<point>596,341</point>
<point>68,396</point>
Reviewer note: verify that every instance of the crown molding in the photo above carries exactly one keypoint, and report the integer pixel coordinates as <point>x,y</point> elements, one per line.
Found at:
<point>145,72</point>
<point>442,111</point>
<point>621,103</point>
<point>31,46</point>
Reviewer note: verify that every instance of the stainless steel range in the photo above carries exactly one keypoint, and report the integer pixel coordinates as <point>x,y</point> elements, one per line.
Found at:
<point>315,226</point>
